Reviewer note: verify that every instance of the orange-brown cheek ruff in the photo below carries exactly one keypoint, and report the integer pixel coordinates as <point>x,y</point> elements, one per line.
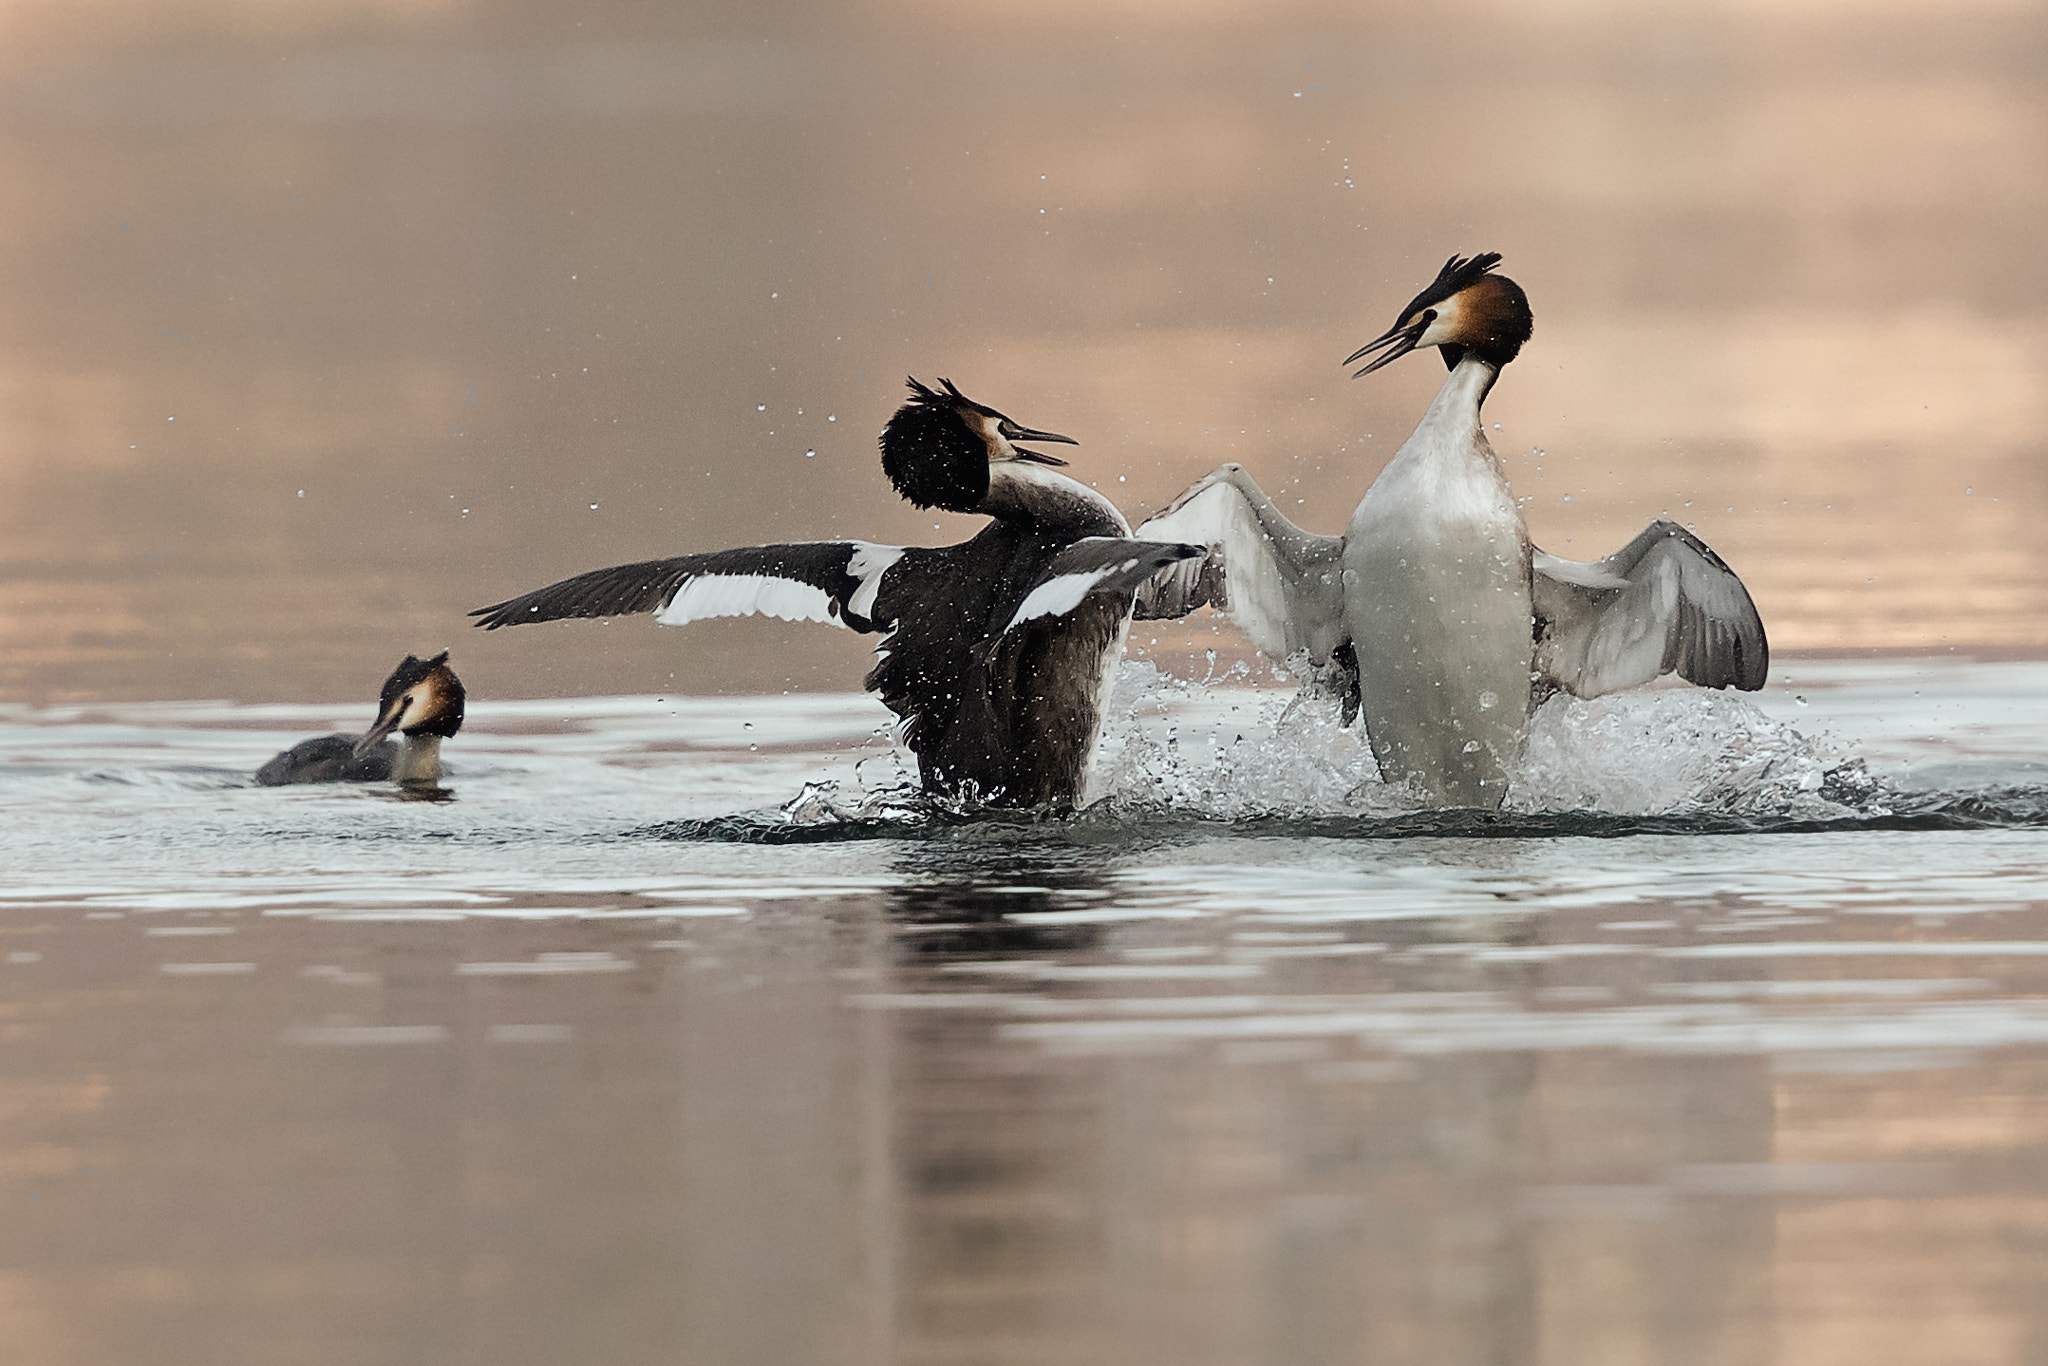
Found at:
<point>1494,321</point>
<point>1466,308</point>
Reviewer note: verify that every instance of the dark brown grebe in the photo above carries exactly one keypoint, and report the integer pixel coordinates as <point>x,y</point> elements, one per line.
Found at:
<point>997,653</point>
<point>422,702</point>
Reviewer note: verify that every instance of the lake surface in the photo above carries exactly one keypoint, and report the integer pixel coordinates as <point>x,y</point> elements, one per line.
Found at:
<point>675,1034</point>
<point>671,1035</point>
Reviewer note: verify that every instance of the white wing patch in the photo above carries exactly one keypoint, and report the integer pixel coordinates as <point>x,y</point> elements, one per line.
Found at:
<point>1061,594</point>
<point>1219,516</point>
<point>744,595</point>
<point>868,564</point>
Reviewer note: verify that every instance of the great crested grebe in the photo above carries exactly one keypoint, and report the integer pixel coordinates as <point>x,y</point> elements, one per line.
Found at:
<point>421,701</point>
<point>997,653</point>
<point>1434,613</point>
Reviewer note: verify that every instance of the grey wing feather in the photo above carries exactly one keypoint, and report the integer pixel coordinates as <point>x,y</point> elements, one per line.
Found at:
<point>1663,603</point>
<point>1182,587</point>
<point>1282,586</point>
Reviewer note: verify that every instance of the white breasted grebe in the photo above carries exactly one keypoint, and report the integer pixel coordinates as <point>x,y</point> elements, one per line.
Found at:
<point>997,653</point>
<point>421,701</point>
<point>1434,614</point>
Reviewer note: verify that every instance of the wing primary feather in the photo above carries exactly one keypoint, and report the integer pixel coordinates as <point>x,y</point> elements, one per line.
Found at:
<point>830,581</point>
<point>1280,585</point>
<point>1663,603</point>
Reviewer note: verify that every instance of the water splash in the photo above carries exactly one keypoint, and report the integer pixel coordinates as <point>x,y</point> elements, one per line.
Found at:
<point>828,803</point>
<point>1227,752</point>
<point>1175,751</point>
<point>1175,747</point>
<point>1180,755</point>
<point>1673,751</point>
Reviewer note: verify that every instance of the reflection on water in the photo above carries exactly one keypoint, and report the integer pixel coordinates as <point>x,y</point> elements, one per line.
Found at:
<point>318,1075</point>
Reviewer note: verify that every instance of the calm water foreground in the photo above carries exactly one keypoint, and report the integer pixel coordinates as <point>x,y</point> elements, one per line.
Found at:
<point>669,1038</point>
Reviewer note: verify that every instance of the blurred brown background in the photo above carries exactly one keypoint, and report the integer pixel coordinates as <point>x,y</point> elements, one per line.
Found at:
<point>323,323</point>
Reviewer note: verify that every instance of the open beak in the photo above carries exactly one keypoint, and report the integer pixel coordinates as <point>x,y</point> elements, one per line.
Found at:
<point>1015,434</point>
<point>386,723</point>
<point>1397,340</point>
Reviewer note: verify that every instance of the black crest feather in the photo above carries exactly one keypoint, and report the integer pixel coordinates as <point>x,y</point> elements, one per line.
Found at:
<point>931,455</point>
<point>411,670</point>
<point>1459,273</point>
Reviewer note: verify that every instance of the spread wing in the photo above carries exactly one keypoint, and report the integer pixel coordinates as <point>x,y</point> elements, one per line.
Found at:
<point>1663,603</point>
<point>830,581</point>
<point>1114,565</point>
<point>1282,586</point>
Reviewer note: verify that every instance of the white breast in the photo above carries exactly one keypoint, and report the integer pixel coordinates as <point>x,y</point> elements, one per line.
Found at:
<point>1105,685</point>
<point>1437,599</point>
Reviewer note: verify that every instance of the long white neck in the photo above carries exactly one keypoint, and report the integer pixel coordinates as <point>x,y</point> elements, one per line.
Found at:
<point>1451,429</point>
<point>1464,392</point>
<point>1446,472</point>
<point>418,761</point>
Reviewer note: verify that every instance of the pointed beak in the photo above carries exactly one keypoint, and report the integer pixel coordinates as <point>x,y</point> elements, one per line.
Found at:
<point>386,723</point>
<point>1015,434</point>
<point>1397,340</point>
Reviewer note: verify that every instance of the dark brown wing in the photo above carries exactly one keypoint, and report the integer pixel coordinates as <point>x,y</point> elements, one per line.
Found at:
<point>830,581</point>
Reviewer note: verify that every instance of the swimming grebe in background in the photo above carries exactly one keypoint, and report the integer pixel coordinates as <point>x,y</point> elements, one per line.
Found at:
<point>997,653</point>
<point>1434,613</point>
<point>421,701</point>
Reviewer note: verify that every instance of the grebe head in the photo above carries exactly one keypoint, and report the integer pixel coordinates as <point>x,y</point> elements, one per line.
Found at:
<point>938,448</point>
<point>1466,308</point>
<point>422,697</point>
